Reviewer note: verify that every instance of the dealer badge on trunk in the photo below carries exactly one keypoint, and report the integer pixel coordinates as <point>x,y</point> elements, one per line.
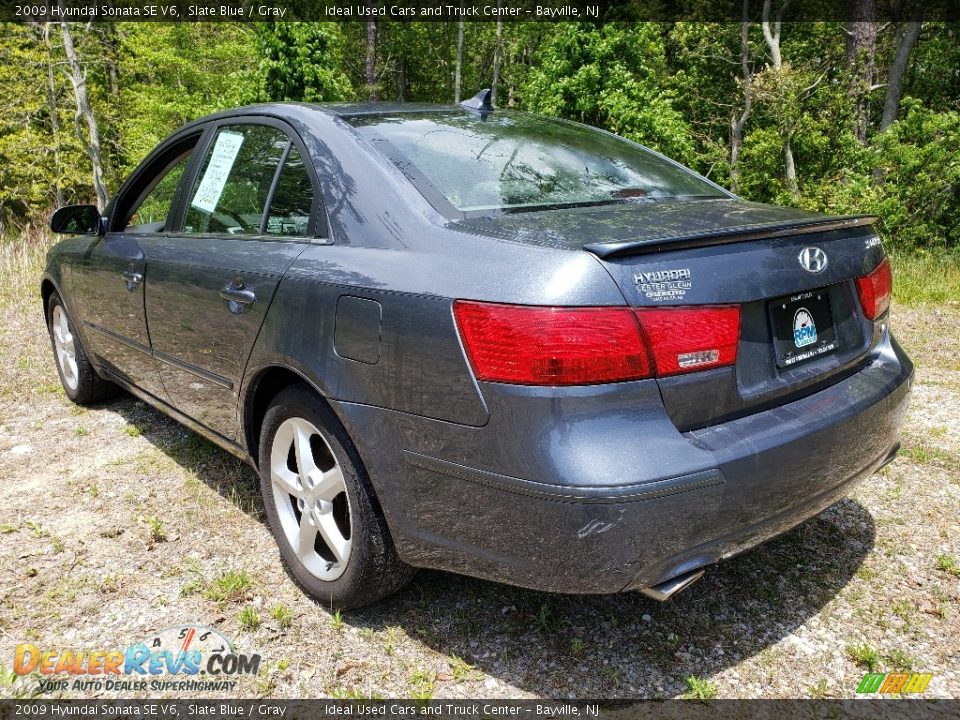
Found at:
<point>804,329</point>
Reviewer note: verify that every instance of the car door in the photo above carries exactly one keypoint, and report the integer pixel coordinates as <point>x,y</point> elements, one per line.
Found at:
<point>115,269</point>
<point>251,209</point>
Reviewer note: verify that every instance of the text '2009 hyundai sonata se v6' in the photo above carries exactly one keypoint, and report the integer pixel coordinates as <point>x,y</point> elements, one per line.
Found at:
<point>483,341</point>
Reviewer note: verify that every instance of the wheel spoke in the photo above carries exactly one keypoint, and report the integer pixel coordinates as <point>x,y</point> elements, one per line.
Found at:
<point>327,485</point>
<point>332,536</point>
<point>306,537</point>
<point>301,447</point>
<point>58,325</point>
<point>287,482</point>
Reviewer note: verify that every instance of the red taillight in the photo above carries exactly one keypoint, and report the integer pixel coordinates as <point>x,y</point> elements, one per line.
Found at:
<point>532,345</point>
<point>875,289</point>
<point>686,339</point>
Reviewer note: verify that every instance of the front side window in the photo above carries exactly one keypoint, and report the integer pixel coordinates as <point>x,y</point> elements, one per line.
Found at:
<point>149,213</point>
<point>232,187</point>
<point>512,161</point>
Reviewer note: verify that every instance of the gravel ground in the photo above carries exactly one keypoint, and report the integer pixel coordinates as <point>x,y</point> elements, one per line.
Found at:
<point>117,522</point>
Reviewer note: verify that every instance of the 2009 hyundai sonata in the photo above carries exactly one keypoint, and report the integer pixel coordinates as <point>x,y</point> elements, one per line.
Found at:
<point>483,341</point>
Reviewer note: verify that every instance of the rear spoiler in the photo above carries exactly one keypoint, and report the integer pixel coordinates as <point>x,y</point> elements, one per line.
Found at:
<point>727,235</point>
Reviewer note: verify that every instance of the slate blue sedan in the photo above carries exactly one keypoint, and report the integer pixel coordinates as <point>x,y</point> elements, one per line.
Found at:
<point>484,341</point>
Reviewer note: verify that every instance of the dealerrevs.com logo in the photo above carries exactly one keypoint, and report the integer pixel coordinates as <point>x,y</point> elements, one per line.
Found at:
<point>197,657</point>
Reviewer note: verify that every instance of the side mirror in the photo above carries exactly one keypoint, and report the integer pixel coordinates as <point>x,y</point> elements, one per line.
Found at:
<point>76,220</point>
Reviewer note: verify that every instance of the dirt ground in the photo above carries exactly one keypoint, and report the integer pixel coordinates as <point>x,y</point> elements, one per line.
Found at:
<point>118,522</point>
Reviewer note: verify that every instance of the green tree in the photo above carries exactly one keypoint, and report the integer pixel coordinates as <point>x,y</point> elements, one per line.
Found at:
<point>614,76</point>
<point>302,61</point>
<point>174,73</point>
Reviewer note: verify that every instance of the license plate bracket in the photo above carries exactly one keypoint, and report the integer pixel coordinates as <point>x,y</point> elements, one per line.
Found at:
<point>803,328</point>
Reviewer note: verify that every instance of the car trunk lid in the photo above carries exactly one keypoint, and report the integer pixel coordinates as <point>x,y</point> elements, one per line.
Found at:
<point>730,252</point>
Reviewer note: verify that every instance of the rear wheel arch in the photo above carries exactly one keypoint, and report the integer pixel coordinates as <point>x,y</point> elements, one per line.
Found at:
<point>261,390</point>
<point>266,385</point>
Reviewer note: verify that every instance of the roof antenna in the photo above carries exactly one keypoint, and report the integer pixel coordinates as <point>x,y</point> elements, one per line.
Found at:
<point>479,102</point>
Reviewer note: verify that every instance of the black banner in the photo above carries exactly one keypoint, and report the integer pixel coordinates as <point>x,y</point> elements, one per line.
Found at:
<point>469,10</point>
<point>894,709</point>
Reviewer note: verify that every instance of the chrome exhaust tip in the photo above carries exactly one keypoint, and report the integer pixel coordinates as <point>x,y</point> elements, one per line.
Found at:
<point>667,589</point>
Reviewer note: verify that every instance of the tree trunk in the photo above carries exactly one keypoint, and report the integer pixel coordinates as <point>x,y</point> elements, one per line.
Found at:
<point>401,80</point>
<point>771,33</point>
<point>84,110</point>
<point>54,117</point>
<point>458,76</point>
<point>906,38</point>
<point>862,61</point>
<point>371,65</point>
<point>790,169</point>
<point>497,53</point>
<point>737,123</point>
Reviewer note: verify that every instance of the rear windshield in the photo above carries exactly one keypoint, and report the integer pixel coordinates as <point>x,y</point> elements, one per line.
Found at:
<point>509,161</point>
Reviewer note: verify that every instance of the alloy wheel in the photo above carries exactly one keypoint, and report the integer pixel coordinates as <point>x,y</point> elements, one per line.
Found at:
<point>310,494</point>
<point>66,348</point>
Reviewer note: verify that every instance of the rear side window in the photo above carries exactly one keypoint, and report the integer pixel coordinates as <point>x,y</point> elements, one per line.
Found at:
<point>233,185</point>
<point>292,199</point>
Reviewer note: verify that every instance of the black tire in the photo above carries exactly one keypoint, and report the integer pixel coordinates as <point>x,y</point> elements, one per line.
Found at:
<point>88,388</point>
<point>372,571</point>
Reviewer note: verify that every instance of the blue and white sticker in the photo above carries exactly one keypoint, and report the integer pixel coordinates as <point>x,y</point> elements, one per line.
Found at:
<point>804,329</point>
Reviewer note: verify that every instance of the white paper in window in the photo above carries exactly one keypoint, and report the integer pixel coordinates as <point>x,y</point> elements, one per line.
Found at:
<point>218,170</point>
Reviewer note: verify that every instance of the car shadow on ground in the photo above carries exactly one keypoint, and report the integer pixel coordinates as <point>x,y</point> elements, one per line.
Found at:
<point>586,646</point>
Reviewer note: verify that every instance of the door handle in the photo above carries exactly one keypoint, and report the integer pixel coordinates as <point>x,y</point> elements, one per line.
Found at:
<point>132,279</point>
<point>237,296</point>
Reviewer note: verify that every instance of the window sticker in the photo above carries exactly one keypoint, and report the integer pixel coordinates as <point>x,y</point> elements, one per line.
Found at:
<point>218,170</point>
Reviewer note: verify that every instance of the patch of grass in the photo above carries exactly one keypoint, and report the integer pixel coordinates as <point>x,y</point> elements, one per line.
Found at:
<point>157,533</point>
<point>58,544</point>
<point>93,491</point>
<point>613,674</point>
<point>80,431</point>
<point>228,586</point>
<point>422,682</point>
<point>131,430</point>
<point>196,582</point>
<point>925,277</point>
<point>337,620</point>
<point>865,572</point>
<point>699,689</point>
<point>36,529</point>
<point>922,452</point>
<point>948,563</point>
<point>249,618</point>
<point>460,668</point>
<point>282,615</point>
<point>820,690</point>
<point>16,686</point>
<point>576,647</point>
<point>864,655</point>
<point>899,660</point>
<point>109,584</point>
<point>283,664</point>
<point>6,528</point>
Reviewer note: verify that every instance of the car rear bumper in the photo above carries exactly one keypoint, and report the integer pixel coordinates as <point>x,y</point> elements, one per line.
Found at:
<point>612,496</point>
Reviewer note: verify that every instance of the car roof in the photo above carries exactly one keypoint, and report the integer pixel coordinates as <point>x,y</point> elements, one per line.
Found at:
<point>301,110</point>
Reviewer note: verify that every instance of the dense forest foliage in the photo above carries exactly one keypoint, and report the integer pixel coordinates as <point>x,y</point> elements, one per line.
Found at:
<point>842,117</point>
